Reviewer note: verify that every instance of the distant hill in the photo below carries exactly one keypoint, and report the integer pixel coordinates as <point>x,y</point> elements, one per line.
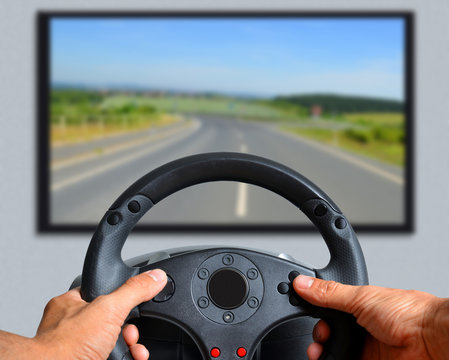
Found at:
<point>331,103</point>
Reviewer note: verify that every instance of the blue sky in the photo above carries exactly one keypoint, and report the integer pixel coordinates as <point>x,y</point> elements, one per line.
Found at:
<point>262,57</point>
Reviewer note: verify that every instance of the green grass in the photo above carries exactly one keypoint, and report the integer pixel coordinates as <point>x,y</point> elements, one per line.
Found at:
<point>77,114</point>
<point>76,132</point>
<point>391,153</point>
<point>240,108</point>
<point>374,119</point>
<point>377,135</point>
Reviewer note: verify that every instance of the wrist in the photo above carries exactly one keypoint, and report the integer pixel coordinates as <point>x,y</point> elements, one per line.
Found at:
<point>40,350</point>
<point>16,347</point>
<point>435,331</point>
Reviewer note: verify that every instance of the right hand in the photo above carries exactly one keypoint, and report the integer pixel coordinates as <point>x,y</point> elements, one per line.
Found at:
<point>402,324</point>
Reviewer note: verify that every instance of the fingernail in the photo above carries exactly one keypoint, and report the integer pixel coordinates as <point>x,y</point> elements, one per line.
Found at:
<point>157,275</point>
<point>303,281</point>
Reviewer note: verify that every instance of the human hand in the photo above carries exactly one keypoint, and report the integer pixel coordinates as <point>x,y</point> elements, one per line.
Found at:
<point>401,324</point>
<point>74,329</point>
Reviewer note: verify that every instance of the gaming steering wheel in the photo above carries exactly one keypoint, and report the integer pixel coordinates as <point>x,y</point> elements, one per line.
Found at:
<point>228,299</point>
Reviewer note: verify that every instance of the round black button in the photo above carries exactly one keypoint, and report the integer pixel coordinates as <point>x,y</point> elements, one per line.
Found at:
<point>134,206</point>
<point>340,223</point>
<point>227,288</point>
<point>292,276</point>
<point>283,288</point>
<point>294,301</point>
<point>167,292</point>
<point>113,219</point>
<point>320,210</point>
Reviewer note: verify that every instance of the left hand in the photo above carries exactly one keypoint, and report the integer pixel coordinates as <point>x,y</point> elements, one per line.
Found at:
<point>73,329</point>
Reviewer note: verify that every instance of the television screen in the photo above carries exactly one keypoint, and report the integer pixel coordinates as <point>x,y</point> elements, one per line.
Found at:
<point>328,94</point>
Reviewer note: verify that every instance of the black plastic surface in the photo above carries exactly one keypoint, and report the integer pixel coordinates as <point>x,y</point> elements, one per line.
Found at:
<point>226,166</point>
<point>181,309</point>
<point>167,341</point>
<point>227,288</point>
<point>104,270</point>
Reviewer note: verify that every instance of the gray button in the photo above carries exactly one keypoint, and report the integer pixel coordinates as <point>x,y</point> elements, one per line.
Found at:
<point>203,274</point>
<point>228,259</point>
<point>253,302</point>
<point>203,302</point>
<point>252,274</point>
<point>340,223</point>
<point>114,218</point>
<point>228,317</point>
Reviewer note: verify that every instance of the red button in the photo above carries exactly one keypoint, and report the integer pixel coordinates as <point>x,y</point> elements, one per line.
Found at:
<point>241,351</point>
<point>215,352</point>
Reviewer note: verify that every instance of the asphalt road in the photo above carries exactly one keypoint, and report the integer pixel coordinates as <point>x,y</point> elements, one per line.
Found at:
<point>84,183</point>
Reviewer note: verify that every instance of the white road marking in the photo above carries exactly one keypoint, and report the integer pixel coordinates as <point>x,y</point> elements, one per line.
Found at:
<point>116,163</point>
<point>241,207</point>
<point>351,159</point>
<point>77,159</point>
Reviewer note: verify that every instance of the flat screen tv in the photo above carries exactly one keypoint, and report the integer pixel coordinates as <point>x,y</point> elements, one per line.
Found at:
<point>328,94</point>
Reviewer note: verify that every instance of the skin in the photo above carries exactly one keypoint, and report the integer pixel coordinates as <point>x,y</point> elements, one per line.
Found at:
<point>401,324</point>
<point>72,329</point>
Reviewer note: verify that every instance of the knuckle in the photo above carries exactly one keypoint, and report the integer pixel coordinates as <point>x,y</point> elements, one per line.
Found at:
<point>53,304</point>
<point>103,301</point>
<point>107,305</point>
<point>361,298</point>
<point>326,289</point>
<point>104,304</point>
<point>413,293</point>
<point>137,282</point>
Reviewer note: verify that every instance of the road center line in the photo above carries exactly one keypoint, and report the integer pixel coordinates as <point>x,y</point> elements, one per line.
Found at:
<point>241,208</point>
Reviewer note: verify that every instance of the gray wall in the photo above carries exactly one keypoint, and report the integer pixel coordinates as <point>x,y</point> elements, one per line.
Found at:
<point>34,268</point>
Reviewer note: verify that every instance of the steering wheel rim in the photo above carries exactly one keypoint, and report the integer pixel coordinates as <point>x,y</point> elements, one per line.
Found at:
<point>104,269</point>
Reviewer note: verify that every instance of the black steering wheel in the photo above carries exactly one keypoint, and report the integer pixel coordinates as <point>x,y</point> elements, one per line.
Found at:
<point>258,296</point>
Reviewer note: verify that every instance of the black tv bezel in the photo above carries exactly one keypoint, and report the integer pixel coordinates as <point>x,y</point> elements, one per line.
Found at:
<point>44,226</point>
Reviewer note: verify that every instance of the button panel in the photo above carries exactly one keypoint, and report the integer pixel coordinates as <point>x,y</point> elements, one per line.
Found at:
<point>224,282</point>
<point>286,289</point>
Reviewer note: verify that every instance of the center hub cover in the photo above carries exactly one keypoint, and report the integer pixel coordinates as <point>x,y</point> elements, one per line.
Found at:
<point>227,288</point>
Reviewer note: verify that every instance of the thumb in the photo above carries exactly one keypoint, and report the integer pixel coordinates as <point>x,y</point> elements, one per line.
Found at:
<point>328,294</point>
<point>136,290</point>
